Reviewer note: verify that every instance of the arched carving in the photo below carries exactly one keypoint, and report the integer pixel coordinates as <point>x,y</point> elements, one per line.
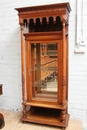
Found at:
<point>58,24</point>
<point>31,25</point>
<point>31,21</point>
<point>44,24</point>
<point>44,20</point>
<point>37,25</point>
<point>52,23</point>
<point>50,19</point>
<point>25,22</point>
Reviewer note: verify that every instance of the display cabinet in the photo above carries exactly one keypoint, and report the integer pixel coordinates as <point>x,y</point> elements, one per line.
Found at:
<point>44,56</point>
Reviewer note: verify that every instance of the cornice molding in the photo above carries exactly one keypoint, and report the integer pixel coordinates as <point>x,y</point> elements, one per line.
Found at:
<point>44,7</point>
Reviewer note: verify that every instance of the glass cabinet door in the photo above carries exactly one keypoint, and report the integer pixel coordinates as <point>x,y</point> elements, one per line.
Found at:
<point>44,67</point>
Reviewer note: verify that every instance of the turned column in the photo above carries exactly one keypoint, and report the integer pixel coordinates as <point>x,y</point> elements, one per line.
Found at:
<point>23,70</point>
<point>67,46</point>
<point>63,112</point>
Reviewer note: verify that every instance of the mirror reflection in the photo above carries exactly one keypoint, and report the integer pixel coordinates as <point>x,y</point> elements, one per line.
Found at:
<point>44,58</point>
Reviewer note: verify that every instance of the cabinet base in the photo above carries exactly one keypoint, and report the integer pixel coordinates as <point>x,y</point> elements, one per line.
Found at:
<point>45,116</point>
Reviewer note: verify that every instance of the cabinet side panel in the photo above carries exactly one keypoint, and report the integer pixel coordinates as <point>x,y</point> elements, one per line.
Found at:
<point>28,71</point>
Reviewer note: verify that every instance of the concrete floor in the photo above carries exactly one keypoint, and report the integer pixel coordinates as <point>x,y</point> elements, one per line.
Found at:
<point>12,122</point>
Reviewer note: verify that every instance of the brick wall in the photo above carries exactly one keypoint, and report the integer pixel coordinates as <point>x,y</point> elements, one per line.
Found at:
<point>10,59</point>
<point>77,68</point>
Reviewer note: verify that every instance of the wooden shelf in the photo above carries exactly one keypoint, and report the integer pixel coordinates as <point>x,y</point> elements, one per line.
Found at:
<point>45,116</point>
<point>45,104</point>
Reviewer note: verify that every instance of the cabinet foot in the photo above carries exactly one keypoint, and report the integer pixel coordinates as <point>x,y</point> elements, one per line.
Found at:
<point>63,128</point>
<point>23,122</point>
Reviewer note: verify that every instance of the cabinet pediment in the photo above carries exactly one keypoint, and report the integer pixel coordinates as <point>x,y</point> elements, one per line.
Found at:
<point>47,11</point>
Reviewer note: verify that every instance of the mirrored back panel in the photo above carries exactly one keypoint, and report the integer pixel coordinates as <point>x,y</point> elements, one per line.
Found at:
<point>44,59</point>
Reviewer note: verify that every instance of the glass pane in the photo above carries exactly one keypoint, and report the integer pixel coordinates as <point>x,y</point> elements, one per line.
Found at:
<point>44,58</point>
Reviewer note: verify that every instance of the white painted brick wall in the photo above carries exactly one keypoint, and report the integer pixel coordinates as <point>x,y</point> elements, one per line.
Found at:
<point>10,59</point>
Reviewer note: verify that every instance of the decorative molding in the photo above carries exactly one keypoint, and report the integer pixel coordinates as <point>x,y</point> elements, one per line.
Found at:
<point>80,41</point>
<point>45,7</point>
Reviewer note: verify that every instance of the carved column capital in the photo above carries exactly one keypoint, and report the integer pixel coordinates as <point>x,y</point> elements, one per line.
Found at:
<point>20,21</point>
<point>63,18</point>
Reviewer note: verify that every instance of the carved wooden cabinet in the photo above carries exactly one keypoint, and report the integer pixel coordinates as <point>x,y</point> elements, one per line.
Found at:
<point>44,56</point>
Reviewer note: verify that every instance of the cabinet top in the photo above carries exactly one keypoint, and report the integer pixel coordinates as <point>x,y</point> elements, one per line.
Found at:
<point>61,7</point>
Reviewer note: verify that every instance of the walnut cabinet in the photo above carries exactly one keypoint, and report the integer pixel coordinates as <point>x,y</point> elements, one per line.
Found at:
<point>44,59</point>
